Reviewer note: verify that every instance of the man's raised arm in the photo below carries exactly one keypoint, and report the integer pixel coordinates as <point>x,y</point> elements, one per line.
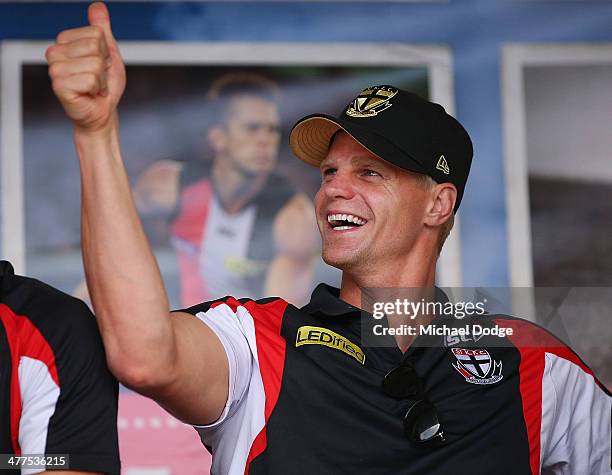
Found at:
<point>175,359</point>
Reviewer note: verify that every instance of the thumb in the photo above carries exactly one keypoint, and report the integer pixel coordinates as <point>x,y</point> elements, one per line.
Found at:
<point>98,15</point>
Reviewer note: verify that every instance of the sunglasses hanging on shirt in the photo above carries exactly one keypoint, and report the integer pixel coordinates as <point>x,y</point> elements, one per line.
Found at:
<point>421,422</point>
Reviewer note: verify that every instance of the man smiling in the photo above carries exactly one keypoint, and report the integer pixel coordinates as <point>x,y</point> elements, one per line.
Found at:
<point>273,388</point>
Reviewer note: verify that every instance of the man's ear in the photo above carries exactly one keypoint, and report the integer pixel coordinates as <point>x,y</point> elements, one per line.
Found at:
<point>443,203</point>
<point>217,138</point>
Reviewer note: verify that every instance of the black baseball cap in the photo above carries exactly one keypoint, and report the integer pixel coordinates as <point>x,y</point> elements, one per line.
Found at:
<point>397,126</point>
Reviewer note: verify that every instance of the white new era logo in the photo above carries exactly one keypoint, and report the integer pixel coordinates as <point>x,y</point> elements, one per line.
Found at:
<point>442,165</point>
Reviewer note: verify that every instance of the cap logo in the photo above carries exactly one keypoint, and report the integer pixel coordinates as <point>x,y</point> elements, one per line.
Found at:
<point>442,165</point>
<point>372,101</point>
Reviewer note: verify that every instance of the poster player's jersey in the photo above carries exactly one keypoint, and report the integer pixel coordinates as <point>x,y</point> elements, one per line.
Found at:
<point>220,253</point>
<point>305,396</point>
<point>57,396</point>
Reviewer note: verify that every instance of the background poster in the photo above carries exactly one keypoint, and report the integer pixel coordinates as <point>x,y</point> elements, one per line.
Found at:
<point>163,116</point>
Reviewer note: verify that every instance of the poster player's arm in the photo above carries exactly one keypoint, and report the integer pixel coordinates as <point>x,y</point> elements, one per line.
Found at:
<point>175,359</point>
<point>156,189</point>
<point>297,241</point>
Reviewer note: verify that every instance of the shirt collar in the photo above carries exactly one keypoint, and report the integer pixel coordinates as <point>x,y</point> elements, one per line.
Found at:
<point>325,300</point>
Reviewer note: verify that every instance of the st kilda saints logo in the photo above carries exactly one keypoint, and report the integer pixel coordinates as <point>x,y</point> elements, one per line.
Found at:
<point>477,366</point>
<point>371,101</point>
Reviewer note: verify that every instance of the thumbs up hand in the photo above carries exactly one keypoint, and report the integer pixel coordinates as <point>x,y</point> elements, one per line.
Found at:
<point>87,72</point>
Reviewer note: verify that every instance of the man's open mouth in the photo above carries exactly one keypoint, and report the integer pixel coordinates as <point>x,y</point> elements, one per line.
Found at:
<point>342,222</point>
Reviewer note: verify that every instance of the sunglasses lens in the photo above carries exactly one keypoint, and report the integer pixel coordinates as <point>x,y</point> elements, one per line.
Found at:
<point>401,382</point>
<point>421,423</point>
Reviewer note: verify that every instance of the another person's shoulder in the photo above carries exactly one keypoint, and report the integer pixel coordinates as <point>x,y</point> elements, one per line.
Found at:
<point>54,313</point>
<point>26,293</point>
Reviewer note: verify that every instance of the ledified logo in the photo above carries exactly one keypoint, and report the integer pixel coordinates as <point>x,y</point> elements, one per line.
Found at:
<point>371,101</point>
<point>308,335</point>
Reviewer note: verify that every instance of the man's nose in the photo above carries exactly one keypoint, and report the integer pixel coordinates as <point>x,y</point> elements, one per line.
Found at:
<point>340,185</point>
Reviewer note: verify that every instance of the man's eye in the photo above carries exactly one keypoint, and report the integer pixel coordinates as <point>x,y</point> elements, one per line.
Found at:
<point>369,172</point>
<point>328,172</point>
<point>253,127</point>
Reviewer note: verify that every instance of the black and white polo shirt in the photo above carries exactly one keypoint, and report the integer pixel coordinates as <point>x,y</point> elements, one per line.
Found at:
<point>57,396</point>
<point>305,397</point>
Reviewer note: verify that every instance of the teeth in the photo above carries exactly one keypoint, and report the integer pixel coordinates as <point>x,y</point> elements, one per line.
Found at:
<point>346,217</point>
<point>341,228</point>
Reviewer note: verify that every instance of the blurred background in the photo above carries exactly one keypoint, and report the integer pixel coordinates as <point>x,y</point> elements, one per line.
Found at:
<point>531,80</point>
